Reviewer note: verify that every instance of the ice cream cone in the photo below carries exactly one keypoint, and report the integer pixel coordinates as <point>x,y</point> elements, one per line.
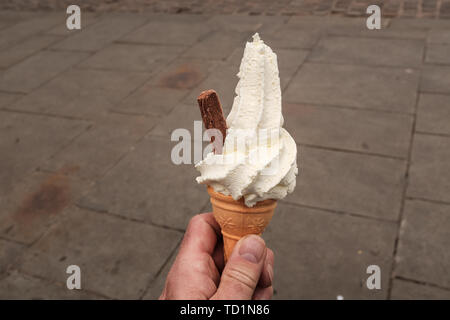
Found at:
<point>237,220</point>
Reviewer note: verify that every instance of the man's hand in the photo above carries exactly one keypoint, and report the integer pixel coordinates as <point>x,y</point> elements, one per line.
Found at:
<point>198,271</point>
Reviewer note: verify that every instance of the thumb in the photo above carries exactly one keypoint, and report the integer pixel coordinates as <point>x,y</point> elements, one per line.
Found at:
<point>243,269</point>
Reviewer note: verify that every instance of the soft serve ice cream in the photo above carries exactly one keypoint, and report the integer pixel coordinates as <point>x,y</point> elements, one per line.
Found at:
<point>259,159</point>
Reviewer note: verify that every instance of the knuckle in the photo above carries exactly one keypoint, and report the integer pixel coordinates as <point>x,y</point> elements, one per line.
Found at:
<point>241,276</point>
<point>270,254</point>
<point>270,292</point>
<point>194,220</point>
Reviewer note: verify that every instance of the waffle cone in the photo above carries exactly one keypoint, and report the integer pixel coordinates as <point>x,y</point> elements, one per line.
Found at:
<point>236,220</point>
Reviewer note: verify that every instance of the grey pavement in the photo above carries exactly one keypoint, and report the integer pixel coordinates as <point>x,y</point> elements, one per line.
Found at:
<point>351,8</point>
<point>86,176</point>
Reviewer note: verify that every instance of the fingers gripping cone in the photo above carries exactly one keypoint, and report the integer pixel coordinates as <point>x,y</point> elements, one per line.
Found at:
<point>237,220</point>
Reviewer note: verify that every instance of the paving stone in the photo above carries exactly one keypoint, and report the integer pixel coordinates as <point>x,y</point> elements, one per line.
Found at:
<point>184,73</point>
<point>333,25</point>
<point>440,35</point>
<point>337,25</point>
<point>98,149</point>
<point>126,254</point>
<point>157,285</point>
<point>5,23</point>
<point>423,246</point>
<point>36,202</point>
<point>152,100</point>
<point>430,168</point>
<point>307,22</point>
<point>129,189</point>
<point>262,24</point>
<point>438,53</point>
<point>386,32</point>
<point>9,251</point>
<point>165,90</point>
<point>131,57</point>
<point>87,19</point>
<point>331,261</point>
<point>433,114</point>
<point>100,34</point>
<point>301,8</point>
<point>22,50</point>
<point>235,23</point>
<point>223,80</point>
<point>355,86</point>
<point>419,24</point>
<point>176,18</point>
<point>350,129</point>
<point>27,140</point>
<point>182,116</point>
<point>288,63</point>
<point>435,79</point>
<point>12,17</point>
<point>173,18</point>
<point>234,60</point>
<point>292,37</point>
<point>272,24</point>
<point>367,51</point>
<point>406,290</point>
<point>82,93</point>
<point>17,286</point>
<point>8,98</point>
<point>26,28</point>
<point>354,183</point>
<point>218,45</point>
<point>169,32</point>
<point>37,69</point>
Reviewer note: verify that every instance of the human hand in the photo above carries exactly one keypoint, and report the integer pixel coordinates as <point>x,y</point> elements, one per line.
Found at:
<point>198,272</point>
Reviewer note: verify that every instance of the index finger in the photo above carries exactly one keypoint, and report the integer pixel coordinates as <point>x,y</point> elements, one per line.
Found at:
<point>201,234</point>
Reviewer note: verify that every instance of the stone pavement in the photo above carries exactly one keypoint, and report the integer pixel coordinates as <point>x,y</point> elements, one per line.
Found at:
<point>86,176</point>
<point>352,8</point>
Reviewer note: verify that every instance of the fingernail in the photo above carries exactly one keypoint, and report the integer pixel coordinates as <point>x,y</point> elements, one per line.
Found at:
<point>252,248</point>
<point>270,271</point>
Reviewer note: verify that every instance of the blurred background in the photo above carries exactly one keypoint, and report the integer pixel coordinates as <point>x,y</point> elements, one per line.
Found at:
<point>86,116</point>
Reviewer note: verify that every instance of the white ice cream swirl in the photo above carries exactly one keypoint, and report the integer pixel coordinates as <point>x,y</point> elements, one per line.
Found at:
<point>251,166</point>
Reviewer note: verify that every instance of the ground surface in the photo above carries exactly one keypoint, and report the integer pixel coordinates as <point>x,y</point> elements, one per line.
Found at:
<point>85,170</point>
<point>390,8</point>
